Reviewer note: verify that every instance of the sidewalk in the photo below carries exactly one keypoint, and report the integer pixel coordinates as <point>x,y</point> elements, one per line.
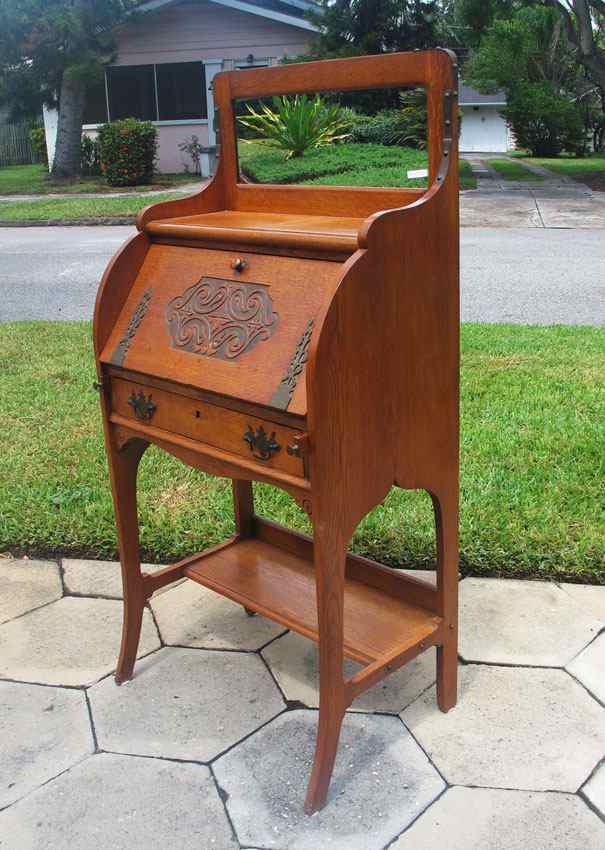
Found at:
<point>209,746</point>
<point>180,188</point>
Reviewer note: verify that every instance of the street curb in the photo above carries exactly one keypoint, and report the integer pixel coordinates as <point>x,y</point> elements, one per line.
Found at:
<point>71,222</point>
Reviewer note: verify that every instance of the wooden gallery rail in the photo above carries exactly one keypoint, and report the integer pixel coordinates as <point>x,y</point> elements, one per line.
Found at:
<point>306,337</point>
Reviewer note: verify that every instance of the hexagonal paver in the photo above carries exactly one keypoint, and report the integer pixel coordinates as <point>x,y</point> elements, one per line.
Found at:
<point>25,585</point>
<point>96,578</point>
<point>504,820</point>
<point>191,615</point>
<point>591,597</point>
<point>503,621</point>
<point>589,667</point>
<point>382,781</point>
<point>43,731</point>
<point>595,789</point>
<point>185,703</point>
<point>113,802</point>
<point>71,642</point>
<point>294,662</point>
<point>534,730</point>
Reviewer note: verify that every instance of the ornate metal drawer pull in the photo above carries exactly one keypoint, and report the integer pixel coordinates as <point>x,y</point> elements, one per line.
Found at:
<point>142,406</point>
<point>239,264</point>
<point>262,446</point>
<point>299,447</point>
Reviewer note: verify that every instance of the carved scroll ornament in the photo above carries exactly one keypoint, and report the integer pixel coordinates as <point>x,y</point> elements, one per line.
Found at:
<point>221,318</point>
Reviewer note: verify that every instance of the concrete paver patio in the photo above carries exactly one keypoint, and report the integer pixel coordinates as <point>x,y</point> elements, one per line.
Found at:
<point>210,745</point>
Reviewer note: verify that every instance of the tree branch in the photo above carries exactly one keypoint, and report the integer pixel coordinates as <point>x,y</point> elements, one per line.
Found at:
<point>570,30</point>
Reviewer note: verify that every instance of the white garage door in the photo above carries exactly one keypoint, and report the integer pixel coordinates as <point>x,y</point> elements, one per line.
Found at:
<point>483,129</point>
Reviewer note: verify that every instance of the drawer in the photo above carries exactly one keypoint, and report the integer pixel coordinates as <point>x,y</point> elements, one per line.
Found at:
<point>248,437</point>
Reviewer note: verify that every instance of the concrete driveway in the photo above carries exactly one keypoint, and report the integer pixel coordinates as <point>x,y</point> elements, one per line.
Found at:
<point>521,274</point>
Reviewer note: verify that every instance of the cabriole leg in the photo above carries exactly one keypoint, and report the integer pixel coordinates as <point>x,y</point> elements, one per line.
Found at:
<point>123,466</point>
<point>329,556</point>
<point>446,525</point>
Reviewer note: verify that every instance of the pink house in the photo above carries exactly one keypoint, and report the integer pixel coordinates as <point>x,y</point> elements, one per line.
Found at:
<point>166,62</point>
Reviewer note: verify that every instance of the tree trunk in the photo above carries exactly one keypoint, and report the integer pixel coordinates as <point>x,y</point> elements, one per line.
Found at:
<point>69,130</point>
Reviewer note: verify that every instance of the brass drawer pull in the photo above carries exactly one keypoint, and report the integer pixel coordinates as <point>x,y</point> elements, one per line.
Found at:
<point>299,447</point>
<point>239,264</point>
<point>262,446</point>
<point>142,406</point>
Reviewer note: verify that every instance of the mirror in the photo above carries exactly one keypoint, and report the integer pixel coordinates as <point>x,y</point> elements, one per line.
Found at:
<point>370,137</point>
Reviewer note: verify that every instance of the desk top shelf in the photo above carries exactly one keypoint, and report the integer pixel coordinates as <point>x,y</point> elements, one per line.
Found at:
<point>330,234</point>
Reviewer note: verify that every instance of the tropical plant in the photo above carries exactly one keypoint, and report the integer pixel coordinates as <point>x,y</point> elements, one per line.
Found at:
<point>296,124</point>
<point>194,149</point>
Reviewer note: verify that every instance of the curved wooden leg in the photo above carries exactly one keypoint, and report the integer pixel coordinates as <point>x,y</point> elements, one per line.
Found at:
<point>446,524</point>
<point>123,465</point>
<point>329,556</point>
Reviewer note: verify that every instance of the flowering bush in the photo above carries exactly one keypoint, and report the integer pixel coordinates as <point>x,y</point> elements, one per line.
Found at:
<point>127,151</point>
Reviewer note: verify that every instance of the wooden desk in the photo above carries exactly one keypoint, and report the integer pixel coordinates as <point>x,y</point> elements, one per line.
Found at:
<point>306,337</point>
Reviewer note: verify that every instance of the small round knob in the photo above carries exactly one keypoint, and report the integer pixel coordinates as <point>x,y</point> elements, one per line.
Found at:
<point>239,264</point>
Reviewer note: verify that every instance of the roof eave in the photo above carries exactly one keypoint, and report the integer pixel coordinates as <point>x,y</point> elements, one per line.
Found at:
<point>240,5</point>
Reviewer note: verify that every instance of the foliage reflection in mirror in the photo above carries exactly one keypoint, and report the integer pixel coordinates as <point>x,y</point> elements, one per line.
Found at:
<point>372,137</point>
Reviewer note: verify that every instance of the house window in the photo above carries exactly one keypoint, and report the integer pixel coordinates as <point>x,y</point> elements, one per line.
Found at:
<point>95,109</point>
<point>181,91</point>
<point>131,90</point>
<point>169,92</point>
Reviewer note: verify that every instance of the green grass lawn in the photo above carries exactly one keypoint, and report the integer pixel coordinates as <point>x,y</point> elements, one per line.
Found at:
<point>533,430</point>
<point>570,166</point>
<point>341,165</point>
<point>66,209</point>
<point>514,171</point>
<point>35,180</point>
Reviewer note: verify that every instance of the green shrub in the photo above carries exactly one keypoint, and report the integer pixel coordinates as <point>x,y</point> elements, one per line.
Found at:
<point>89,157</point>
<point>406,127</point>
<point>543,121</point>
<point>37,140</point>
<point>127,151</point>
<point>295,124</point>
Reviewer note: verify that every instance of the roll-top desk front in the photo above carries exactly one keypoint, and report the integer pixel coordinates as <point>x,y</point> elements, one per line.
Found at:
<point>306,337</point>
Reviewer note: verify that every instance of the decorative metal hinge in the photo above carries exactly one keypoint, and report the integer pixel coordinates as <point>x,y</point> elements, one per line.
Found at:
<point>262,446</point>
<point>283,394</point>
<point>117,358</point>
<point>142,406</point>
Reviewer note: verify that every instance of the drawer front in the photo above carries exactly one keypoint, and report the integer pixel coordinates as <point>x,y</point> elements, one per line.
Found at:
<point>247,436</point>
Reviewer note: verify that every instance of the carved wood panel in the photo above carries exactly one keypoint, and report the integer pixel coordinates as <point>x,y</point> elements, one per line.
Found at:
<point>221,318</point>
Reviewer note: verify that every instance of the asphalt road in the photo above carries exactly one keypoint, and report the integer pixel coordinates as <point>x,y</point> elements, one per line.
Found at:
<point>526,275</point>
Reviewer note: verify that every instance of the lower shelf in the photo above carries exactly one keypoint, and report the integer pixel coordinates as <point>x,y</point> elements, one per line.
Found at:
<point>281,585</point>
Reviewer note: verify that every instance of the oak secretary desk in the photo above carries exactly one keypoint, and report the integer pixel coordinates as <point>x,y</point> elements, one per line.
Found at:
<point>306,337</point>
